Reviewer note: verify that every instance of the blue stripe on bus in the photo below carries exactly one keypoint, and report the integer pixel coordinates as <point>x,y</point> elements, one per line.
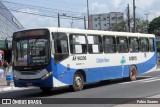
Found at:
<point>92,74</point>
<point>101,73</point>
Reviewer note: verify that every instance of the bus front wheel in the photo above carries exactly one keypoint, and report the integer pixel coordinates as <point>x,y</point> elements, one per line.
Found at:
<point>46,89</point>
<point>133,73</point>
<point>78,81</point>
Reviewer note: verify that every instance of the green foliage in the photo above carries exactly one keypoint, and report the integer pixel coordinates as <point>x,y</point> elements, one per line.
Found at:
<point>154,26</point>
<point>141,25</point>
<point>119,27</point>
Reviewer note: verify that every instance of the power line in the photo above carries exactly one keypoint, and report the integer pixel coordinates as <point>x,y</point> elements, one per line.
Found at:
<point>66,17</point>
<point>57,4</point>
<point>39,7</point>
<point>146,11</point>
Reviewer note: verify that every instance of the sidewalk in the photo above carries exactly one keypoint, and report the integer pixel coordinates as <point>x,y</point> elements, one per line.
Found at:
<point>4,87</point>
<point>3,83</point>
<point>8,87</point>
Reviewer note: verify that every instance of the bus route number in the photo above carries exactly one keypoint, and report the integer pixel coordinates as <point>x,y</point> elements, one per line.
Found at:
<point>79,58</point>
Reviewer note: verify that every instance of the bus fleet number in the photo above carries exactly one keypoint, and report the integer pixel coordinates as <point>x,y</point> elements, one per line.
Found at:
<point>79,58</point>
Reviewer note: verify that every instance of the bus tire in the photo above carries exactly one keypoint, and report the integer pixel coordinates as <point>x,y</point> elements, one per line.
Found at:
<point>133,73</point>
<point>78,81</point>
<point>46,89</point>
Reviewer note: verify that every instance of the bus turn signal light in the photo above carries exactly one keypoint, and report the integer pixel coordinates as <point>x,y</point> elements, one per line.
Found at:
<point>46,75</point>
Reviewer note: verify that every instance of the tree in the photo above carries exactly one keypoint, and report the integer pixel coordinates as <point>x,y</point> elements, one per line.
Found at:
<point>141,25</point>
<point>119,27</point>
<point>154,26</point>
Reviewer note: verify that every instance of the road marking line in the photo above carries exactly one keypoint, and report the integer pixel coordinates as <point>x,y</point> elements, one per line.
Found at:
<point>151,80</point>
<point>140,80</point>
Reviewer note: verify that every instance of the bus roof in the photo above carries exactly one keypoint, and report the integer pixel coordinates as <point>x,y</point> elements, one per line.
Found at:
<point>96,32</point>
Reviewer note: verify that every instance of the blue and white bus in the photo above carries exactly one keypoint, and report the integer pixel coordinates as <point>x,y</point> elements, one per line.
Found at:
<point>54,57</point>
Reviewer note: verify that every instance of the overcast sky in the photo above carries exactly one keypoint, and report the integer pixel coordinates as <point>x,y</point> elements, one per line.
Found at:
<point>48,9</point>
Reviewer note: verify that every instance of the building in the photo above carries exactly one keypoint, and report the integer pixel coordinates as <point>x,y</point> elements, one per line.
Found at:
<point>105,21</point>
<point>8,25</point>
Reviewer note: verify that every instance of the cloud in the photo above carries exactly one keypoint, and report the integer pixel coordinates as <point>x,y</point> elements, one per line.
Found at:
<point>116,3</point>
<point>145,3</point>
<point>96,8</point>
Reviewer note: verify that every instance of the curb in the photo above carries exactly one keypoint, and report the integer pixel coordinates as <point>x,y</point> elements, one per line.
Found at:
<point>158,69</point>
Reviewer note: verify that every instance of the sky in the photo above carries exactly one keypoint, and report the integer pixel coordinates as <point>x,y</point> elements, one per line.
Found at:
<point>46,11</point>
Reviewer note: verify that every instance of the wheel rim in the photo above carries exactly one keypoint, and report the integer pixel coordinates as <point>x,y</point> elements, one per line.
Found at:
<point>133,73</point>
<point>78,81</point>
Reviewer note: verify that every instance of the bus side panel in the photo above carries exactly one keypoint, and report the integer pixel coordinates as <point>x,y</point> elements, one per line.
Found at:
<point>106,73</point>
<point>147,65</point>
<point>100,72</point>
<point>115,73</point>
<point>94,74</point>
<point>64,73</point>
<point>125,70</point>
<point>61,74</point>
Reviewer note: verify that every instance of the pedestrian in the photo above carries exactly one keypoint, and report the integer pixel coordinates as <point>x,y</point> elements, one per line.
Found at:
<point>1,73</point>
<point>5,65</point>
<point>1,62</point>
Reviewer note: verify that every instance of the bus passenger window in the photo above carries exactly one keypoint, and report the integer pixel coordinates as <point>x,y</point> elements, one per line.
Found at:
<point>60,46</point>
<point>151,44</point>
<point>144,45</point>
<point>122,44</point>
<point>109,44</point>
<point>78,44</point>
<point>133,44</point>
<point>94,44</point>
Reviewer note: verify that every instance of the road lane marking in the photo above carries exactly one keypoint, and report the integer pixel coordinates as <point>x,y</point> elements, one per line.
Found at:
<point>148,79</point>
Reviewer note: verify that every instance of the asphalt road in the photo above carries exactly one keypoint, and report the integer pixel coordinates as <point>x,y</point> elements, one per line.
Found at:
<point>145,86</point>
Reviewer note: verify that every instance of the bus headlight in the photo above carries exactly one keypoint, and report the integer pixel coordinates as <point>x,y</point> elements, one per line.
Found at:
<point>46,75</point>
<point>15,77</point>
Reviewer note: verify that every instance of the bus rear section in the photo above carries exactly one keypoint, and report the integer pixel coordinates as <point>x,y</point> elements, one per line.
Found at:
<point>32,61</point>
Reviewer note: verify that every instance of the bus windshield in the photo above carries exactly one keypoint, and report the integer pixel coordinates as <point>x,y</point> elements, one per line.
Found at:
<point>31,52</point>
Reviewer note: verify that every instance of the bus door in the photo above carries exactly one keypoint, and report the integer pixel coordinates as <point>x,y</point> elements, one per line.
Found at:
<point>60,53</point>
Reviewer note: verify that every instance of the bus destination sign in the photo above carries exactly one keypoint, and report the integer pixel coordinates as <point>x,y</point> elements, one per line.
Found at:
<point>30,33</point>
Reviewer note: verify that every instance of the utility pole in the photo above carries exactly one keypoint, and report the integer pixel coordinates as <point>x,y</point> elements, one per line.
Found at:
<point>79,18</point>
<point>147,20</point>
<point>134,16</point>
<point>84,22</point>
<point>100,22</point>
<point>88,12</point>
<point>71,23</point>
<point>116,22</point>
<point>128,15</point>
<point>58,20</point>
